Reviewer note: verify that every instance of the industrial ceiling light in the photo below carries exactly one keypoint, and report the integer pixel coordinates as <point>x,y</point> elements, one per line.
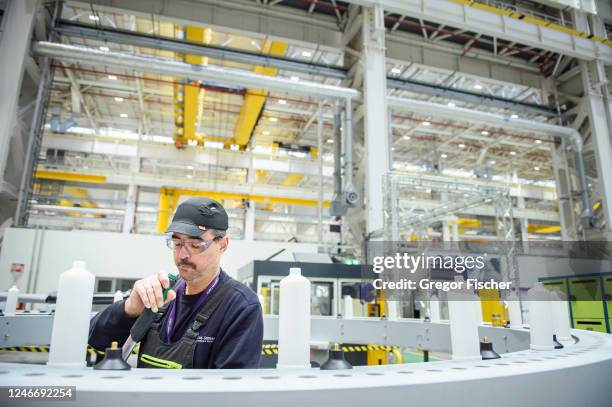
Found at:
<point>295,78</point>
<point>451,104</point>
<point>265,133</point>
<point>124,115</point>
<point>492,162</point>
<point>461,145</point>
<point>189,176</point>
<point>306,54</point>
<point>484,133</point>
<point>426,123</point>
<point>512,152</point>
<point>118,99</point>
<point>406,137</point>
<point>536,168</point>
<point>273,119</point>
<point>104,48</point>
<point>112,77</point>
<point>396,71</point>
<point>538,141</point>
<point>93,17</point>
<point>329,141</point>
<point>514,116</point>
<point>282,102</point>
<point>443,156</point>
<point>478,86</point>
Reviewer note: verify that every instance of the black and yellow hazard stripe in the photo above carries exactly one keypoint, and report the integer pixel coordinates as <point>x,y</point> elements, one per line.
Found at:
<point>272,349</point>
<point>41,349</point>
<point>269,349</point>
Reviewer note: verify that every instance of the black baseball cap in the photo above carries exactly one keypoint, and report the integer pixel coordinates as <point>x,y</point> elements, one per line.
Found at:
<point>197,214</point>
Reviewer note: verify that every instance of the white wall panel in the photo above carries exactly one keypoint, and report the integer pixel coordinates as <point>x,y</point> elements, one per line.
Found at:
<point>112,255</point>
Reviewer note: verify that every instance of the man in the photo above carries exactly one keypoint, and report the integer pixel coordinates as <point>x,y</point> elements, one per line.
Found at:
<point>209,321</point>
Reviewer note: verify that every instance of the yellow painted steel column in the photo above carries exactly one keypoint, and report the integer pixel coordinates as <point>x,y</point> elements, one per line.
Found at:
<point>166,198</point>
<point>491,305</point>
<point>254,99</point>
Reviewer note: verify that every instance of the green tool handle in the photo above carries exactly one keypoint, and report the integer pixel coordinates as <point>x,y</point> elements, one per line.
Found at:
<point>173,279</point>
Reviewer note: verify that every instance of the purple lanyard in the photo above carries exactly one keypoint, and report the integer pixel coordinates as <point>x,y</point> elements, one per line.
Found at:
<point>180,290</point>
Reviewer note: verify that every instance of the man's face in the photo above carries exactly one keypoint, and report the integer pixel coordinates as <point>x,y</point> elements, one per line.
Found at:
<point>193,266</point>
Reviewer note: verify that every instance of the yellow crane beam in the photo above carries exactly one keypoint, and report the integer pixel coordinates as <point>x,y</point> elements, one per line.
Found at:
<point>254,99</point>
<point>261,176</point>
<point>169,198</point>
<point>292,180</point>
<point>469,223</point>
<point>543,229</point>
<point>188,95</point>
<point>69,176</point>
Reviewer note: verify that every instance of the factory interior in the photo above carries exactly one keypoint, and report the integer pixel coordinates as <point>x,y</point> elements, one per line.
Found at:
<point>316,137</point>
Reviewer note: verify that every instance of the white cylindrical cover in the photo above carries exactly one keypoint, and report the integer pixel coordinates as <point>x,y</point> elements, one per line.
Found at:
<point>434,308</point>
<point>71,321</point>
<point>392,311</point>
<point>10,307</point>
<point>560,314</point>
<point>118,296</point>
<point>464,323</point>
<point>347,306</point>
<point>514,310</point>
<point>540,318</point>
<point>477,309</point>
<point>294,321</point>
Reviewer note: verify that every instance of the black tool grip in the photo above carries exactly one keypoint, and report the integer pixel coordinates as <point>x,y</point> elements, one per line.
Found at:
<point>142,325</point>
<point>145,320</point>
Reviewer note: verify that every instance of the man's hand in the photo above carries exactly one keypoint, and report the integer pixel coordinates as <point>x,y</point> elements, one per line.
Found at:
<point>147,293</point>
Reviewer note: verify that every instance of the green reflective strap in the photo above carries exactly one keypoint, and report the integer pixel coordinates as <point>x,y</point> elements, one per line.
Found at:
<point>167,364</point>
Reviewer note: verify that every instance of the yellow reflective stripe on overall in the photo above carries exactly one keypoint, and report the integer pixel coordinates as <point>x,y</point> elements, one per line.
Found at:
<point>168,364</point>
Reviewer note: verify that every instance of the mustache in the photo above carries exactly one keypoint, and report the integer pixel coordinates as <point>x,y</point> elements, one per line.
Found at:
<point>185,262</point>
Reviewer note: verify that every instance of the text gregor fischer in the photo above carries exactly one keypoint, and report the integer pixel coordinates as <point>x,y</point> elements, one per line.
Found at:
<point>426,284</point>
